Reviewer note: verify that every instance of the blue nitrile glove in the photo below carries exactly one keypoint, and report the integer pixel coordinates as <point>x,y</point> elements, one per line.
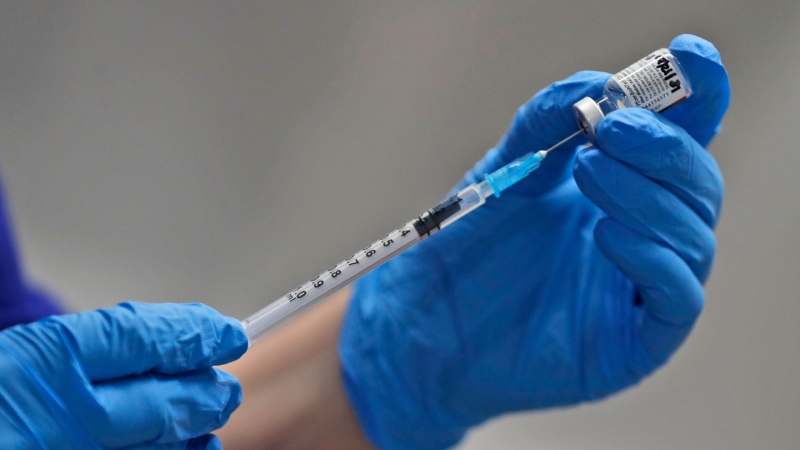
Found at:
<point>133,376</point>
<point>578,282</point>
<point>20,301</point>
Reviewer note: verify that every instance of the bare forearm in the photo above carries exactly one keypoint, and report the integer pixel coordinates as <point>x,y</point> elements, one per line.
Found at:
<point>293,396</point>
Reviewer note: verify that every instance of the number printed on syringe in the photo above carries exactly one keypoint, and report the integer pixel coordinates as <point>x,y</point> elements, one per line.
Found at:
<point>345,270</point>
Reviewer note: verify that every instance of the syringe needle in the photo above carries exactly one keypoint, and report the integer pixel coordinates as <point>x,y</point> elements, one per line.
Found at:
<point>563,141</point>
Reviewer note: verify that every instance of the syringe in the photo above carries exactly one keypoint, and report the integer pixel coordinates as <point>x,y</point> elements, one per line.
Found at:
<point>317,289</point>
<point>655,82</point>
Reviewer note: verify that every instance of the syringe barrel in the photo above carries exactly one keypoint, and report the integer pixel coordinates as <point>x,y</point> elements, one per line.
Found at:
<point>471,197</point>
<point>508,175</point>
<point>328,282</point>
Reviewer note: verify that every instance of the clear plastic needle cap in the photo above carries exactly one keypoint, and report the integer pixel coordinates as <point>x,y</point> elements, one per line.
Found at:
<point>514,171</point>
<point>508,175</point>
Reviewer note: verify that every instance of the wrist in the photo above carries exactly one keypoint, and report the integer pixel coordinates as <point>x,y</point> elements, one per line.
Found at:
<point>293,391</point>
<point>29,305</point>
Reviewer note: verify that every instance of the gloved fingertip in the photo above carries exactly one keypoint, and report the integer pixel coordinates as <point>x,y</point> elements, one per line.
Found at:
<point>708,78</point>
<point>234,396</point>
<point>701,114</point>
<point>584,77</point>
<point>224,342</point>
<point>582,168</point>
<point>573,87</point>
<point>628,130</point>
<point>232,340</point>
<point>587,171</point>
<point>554,103</point>
<point>688,46</point>
<point>206,442</point>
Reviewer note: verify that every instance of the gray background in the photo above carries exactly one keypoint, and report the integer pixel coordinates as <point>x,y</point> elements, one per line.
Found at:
<point>224,153</point>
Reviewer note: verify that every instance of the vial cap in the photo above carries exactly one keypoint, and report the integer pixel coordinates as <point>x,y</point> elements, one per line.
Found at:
<point>588,114</point>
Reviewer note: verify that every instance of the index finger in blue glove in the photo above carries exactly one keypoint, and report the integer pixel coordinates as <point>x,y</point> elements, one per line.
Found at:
<point>664,152</point>
<point>540,123</point>
<point>700,114</point>
<point>133,338</point>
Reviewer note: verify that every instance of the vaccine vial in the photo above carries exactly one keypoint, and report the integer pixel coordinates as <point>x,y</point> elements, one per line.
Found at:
<point>655,82</point>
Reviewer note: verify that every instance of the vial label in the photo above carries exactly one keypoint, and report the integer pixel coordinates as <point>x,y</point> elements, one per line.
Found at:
<point>654,82</point>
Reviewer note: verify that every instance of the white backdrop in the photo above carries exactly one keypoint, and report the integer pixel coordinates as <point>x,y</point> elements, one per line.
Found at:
<point>224,153</point>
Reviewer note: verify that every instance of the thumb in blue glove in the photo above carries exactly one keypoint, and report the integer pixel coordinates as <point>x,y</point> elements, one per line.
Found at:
<point>133,376</point>
<point>577,283</point>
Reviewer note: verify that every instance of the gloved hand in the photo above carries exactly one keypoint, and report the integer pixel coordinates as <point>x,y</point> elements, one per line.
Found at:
<point>578,282</point>
<point>133,376</point>
<point>20,301</point>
